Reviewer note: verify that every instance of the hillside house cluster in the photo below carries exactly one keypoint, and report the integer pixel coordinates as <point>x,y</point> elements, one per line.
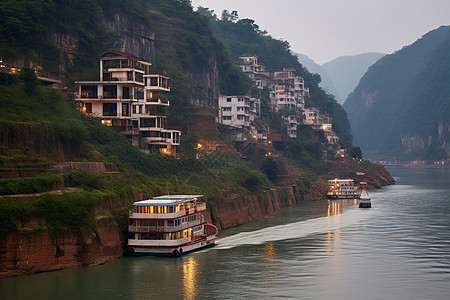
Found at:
<point>287,95</point>
<point>130,98</point>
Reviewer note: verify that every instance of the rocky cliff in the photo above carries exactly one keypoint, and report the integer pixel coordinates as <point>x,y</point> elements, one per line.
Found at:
<point>400,108</point>
<point>32,249</point>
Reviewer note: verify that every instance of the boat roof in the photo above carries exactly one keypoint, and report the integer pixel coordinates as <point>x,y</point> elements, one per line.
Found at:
<point>167,200</point>
<point>348,179</point>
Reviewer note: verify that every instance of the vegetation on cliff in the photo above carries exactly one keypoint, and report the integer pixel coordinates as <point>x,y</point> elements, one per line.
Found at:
<point>400,108</point>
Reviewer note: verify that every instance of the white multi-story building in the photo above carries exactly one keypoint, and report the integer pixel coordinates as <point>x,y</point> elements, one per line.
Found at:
<point>234,111</point>
<point>242,114</point>
<point>257,72</point>
<point>128,98</point>
<point>292,122</point>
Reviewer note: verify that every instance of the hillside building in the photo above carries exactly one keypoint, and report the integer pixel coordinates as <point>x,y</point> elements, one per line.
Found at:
<point>129,98</point>
<point>242,114</point>
<point>257,72</point>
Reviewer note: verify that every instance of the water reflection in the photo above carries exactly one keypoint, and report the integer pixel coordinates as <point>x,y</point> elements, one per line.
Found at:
<point>190,274</point>
<point>336,207</point>
<point>270,253</point>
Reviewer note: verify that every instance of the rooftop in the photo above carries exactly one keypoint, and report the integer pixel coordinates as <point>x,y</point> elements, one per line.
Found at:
<point>167,200</point>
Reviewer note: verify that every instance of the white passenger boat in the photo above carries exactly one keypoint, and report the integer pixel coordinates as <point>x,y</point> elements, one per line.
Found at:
<point>343,189</point>
<point>169,225</point>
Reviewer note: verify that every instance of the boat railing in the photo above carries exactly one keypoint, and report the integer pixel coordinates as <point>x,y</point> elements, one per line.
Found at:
<point>136,228</point>
<point>201,206</point>
<point>134,214</point>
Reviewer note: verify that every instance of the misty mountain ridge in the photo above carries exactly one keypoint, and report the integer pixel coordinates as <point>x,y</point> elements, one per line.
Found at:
<point>341,75</point>
<point>401,107</point>
<point>346,71</point>
<point>326,83</point>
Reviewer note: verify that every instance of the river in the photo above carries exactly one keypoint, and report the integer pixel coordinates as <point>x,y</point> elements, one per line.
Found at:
<point>398,249</point>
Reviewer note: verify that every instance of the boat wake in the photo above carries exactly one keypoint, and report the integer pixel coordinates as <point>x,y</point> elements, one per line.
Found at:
<point>294,230</point>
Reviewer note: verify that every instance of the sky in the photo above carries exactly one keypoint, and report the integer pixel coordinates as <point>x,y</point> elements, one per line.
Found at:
<point>327,29</point>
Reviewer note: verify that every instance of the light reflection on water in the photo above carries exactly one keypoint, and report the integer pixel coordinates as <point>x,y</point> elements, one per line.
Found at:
<point>190,275</point>
<point>399,249</point>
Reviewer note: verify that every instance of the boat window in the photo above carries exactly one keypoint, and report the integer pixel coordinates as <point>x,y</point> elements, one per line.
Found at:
<point>170,223</point>
<point>170,209</point>
<point>160,222</point>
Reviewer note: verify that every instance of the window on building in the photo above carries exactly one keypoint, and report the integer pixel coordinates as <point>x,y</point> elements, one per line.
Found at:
<point>225,118</point>
<point>153,81</point>
<point>140,94</point>
<point>109,109</point>
<point>148,122</point>
<point>88,91</point>
<point>228,99</point>
<point>126,92</point>
<point>110,91</point>
<point>125,109</point>
<point>88,108</point>
<point>139,77</point>
<point>226,108</point>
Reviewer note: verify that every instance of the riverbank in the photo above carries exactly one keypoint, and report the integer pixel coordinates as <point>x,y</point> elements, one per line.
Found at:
<point>32,248</point>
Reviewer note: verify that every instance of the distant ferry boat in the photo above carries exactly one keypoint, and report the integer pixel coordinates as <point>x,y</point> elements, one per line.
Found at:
<point>169,225</point>
<point>364,200</point>
<point>343,189</point>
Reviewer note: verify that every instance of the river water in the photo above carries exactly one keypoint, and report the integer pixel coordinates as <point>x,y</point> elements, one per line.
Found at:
<point>398,249</point>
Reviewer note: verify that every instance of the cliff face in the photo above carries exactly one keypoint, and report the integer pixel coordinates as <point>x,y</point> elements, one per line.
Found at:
<point>205,84</point>
<point>134,37</point>
<point>400,110</point>
<point>32,249</point>
<point>180,45</point>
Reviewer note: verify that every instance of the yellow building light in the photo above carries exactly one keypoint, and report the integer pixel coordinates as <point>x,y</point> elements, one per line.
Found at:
<point>107,122</point>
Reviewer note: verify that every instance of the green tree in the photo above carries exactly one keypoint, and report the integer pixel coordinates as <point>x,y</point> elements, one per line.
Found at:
<point>29,78</point>
<point>270,168</point>
<point>355,152</point>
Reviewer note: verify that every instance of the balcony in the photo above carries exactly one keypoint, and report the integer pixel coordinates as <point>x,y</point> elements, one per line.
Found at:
<point>158,101</point>
<point>157,82</point>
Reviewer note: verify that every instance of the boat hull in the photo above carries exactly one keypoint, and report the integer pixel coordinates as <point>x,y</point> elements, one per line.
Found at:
<point>172,250</point>
<point>356,196</point>
<point>365,204</point>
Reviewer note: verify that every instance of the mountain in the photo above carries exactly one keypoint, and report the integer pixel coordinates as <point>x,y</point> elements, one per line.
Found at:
<point>401,107</point>
<point>346,71</point>
<point>326,83</point>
